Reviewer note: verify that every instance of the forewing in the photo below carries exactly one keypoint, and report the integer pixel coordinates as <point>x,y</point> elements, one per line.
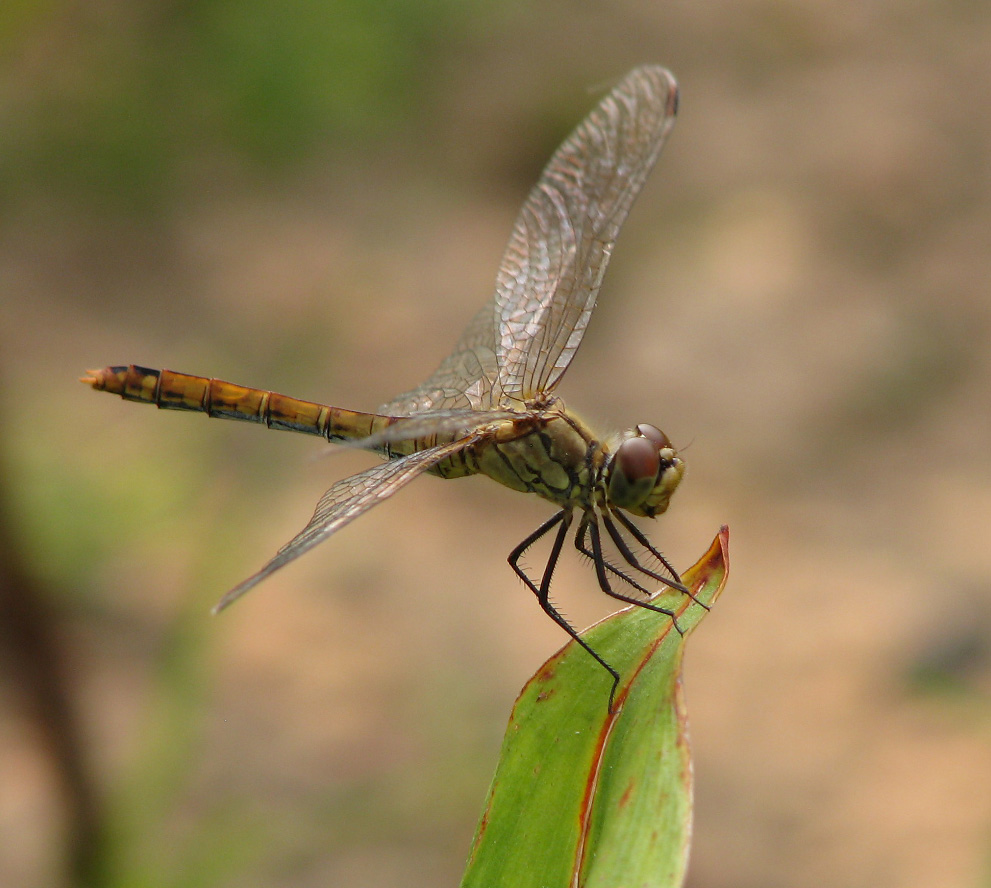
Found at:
<point>564,235</point>
<point>522,340</point>
<point>345,501</point>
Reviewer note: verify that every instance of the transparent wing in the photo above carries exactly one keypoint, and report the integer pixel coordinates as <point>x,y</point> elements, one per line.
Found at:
<point>439,423</point>
<point>565,233</point>
<point>345,501</point>
<point>464,379</point>
<point>522,341</point>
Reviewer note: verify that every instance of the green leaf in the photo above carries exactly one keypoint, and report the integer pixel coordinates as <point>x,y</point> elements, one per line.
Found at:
<point>585,797</point>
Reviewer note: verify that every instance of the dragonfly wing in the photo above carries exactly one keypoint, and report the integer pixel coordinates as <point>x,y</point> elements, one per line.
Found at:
<point>442,423</point>
<point>522,341</point>
<point>465,378</point>
<point>565,233</point>
<point>345,501</point>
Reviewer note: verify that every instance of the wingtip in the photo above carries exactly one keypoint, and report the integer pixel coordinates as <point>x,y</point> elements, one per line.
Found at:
<point>222,605</point>
<point>233,595</point>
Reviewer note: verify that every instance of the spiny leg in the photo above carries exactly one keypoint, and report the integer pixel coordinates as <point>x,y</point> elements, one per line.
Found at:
<point>581,544</point>
<point>633,561</point>
<point>644,541</point>
<point>601,566</point>
<point>543,591</point>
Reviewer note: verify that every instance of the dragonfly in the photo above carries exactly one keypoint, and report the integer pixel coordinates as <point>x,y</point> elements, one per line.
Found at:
<point>490,408</point>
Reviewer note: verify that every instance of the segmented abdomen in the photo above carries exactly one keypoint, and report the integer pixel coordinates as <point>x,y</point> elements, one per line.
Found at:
<point>214,397</point>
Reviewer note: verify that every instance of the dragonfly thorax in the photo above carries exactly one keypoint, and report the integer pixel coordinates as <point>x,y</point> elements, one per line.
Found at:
<point>551,454</point>
<point>642,472</point>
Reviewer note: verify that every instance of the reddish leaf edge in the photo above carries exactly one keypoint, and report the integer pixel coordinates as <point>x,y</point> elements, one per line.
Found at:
<point>710,571</point>
<point>706,580</point>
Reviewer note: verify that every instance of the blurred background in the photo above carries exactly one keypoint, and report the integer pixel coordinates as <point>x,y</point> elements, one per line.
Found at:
<point>312,196</point>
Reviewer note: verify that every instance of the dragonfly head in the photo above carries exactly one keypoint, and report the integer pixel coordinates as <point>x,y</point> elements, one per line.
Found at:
<point>643,472</point>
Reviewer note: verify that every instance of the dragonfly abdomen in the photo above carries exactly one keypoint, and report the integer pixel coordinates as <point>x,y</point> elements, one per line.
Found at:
<point>225,400</point>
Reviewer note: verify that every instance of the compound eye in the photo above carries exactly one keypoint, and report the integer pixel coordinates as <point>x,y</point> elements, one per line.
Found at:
<point>654,434</point>
<point>638,460</point>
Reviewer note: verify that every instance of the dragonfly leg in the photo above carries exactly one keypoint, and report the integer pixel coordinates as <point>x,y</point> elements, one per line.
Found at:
<point>672,580</point>
<point>542,591</point>
<point>590,528</point>
<point>581,544</point>
<point>644,541</point>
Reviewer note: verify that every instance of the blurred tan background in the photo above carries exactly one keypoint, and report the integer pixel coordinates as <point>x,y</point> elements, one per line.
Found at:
<point>313,197</point>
